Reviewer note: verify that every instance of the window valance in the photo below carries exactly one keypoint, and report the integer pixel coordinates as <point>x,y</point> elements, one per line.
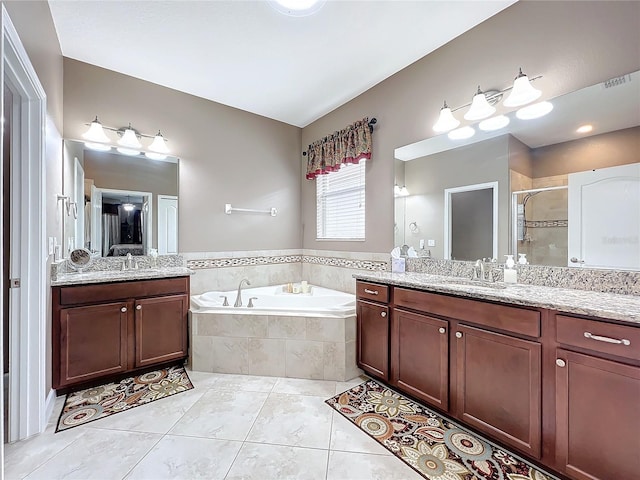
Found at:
<point>349,145</point>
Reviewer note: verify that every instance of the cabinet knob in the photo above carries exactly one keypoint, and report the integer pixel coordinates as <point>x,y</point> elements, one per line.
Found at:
<point>383,314</point>
<point>458,334</point>
<point>441,330</point>
<point>138,307</point>
<point>560,362</point>
<point>123,309</point>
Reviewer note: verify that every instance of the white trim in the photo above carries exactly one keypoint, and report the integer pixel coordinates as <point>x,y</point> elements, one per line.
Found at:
<point>447,214</point>
<point>28,332</point>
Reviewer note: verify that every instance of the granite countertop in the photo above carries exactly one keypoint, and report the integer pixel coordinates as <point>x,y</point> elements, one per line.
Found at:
<point>103,276</point>
<point>625,308</point>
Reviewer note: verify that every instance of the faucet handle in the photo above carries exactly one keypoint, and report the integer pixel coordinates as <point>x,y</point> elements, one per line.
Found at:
<point>226,302</point>
<point>250,305</point>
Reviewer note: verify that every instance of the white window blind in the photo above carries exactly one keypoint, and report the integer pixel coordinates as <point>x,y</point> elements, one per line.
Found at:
<point>340,203</point>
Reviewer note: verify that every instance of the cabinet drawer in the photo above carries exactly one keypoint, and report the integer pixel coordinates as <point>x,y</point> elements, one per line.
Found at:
<point>107,292</point>
<point>510,319</point>
<point>372,291</point>
<point>603,337</point>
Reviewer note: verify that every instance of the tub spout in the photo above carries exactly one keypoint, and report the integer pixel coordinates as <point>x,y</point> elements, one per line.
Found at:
<point>238,302</point>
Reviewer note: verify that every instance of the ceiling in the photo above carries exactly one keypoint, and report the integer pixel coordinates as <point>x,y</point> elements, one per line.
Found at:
<point>247,55</point>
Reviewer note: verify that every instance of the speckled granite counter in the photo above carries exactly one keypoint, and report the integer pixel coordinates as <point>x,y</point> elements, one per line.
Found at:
<point>625,308</point>
<point>102,276</point>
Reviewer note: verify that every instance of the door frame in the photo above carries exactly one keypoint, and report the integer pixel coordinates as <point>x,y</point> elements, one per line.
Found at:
<point>159,199</point>
<point>447,214</point>
<point>27,372</point>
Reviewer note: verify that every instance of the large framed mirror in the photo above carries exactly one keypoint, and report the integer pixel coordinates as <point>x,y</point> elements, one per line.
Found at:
<point>535,164</point>
<point>119,204</point>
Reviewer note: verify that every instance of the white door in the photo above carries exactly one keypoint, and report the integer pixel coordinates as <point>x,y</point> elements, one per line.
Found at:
<point>96,219</point>
<point>604,218</point>
<point>78,198</point>
<point>167,225</point>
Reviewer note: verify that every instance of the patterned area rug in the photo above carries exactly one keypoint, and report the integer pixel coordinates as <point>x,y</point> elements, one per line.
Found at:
<point>94,403</point>
<point>433,446</point>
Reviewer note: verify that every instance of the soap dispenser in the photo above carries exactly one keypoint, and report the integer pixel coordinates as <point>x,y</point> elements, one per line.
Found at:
<point>510,273</point>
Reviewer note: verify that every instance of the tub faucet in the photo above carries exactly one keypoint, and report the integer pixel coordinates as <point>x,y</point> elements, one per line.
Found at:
<point>238,302</point>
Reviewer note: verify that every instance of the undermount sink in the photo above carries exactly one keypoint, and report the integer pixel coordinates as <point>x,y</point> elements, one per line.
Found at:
<point>474,283</point>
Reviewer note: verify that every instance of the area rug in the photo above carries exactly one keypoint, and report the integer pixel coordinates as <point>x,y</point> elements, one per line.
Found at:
<point>95,403</point>
<point>433,446</point>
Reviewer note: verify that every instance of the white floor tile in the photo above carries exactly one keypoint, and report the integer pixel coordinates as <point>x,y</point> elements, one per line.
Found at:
<point>294,420</point>
<point>245,383</point>
<point>107,454</point>
<point>362,466</point>
<point>344,386</point>
<point>345,436</point>
<point>299,386</point>
<point>187,458</point>
<point>221,414</point>
<point>203,380</point>
<point>258,461</point>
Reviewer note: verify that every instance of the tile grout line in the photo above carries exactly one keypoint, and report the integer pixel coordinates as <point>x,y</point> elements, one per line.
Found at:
<point>326,472</point>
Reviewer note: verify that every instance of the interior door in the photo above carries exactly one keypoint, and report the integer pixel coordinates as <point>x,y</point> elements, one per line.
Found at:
<point>96,219</point>
<point>167,225</point>
<point>604,219</point>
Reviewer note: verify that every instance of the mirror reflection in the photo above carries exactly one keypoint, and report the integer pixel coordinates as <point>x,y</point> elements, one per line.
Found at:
<point>536,165</point>
<point>121,204</point>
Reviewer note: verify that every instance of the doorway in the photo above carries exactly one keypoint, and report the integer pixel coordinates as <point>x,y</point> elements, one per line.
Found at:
<point>6,251</point>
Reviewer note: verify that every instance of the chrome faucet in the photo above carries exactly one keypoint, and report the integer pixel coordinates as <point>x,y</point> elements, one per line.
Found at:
<point>129,261</point>
<point>483,270</point>
<point>238,302</point>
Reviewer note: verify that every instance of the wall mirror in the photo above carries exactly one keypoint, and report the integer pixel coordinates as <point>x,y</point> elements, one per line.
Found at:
<point>118,204</point>
<point>537,166</point>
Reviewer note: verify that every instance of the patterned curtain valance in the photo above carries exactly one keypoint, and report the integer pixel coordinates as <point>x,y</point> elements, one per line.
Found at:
<point>349,145</point>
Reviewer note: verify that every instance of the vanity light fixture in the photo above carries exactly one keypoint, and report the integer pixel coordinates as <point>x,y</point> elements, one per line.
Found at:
<point>536,110</point>
<point>400,191</point>
<point>480,107</point>
<point>522,92</point>
<point>128,207</point>
<point>461,133</point>
<point>494,123</point>
<point>128,143</point>
<point>584,129</point>
<point>95,136</point>
<point>446,120</point>
<point>297,8</point>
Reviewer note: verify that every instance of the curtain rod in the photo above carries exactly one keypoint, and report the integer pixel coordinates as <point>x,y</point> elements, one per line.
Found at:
<point>371,123</point>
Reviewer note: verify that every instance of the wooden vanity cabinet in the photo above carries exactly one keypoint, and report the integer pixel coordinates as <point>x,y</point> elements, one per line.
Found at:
<point>102,330</point>
<point>597,399</point>
<point>372,313</point>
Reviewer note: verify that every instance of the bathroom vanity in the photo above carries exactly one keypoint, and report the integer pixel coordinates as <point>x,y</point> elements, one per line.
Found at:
<point>552,373</point>
<point>117,325</point>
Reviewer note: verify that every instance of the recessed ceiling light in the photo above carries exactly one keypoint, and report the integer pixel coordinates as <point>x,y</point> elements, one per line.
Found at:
<point>536,110</point>
<point>461,133</point>
<point>585,129</point>
<point>297,8</point>
<point>494,123</point>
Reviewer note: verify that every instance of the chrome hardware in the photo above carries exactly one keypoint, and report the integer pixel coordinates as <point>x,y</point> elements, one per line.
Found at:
<point>123,309</point>
<point>383,314</point>
<point>575,260</point>
<point>370,292</point>
<point>226,302</point>
<point>442,330</point>
<point>458,334</point>
<point>560,362</point>
<point>138,307</point>
<point>14,283</point>
<point>251,302</point>
<point>238,302</point>
<point>624,341</point>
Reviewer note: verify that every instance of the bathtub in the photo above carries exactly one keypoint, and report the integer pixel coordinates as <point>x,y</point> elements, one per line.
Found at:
<point>310,336</point>
<point>273,300</point>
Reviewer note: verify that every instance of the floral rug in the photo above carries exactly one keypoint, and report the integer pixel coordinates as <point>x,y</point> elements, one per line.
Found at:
<point>94,403</point>
<point>432,445</point>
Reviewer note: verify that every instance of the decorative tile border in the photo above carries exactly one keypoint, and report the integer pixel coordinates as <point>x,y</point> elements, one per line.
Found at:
<point>369,265</point>
<point>199,264</point>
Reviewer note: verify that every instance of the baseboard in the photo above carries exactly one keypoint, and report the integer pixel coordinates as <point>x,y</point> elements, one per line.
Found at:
<point>48,406</point>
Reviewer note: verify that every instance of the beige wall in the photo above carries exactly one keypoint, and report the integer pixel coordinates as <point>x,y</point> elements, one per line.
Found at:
<point>567,42</point>
<point>35,28</point>
<point>226,156</point>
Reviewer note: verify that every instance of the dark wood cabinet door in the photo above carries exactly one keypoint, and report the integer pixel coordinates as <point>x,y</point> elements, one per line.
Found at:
<point>597,418</point>
<point>420,357</point>
<point>161,329</point>
<point>499,386</point>
<point>93,342</point>
<point>373,339</point>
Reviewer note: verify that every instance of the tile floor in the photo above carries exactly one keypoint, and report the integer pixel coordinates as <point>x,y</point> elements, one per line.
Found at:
<point>227,427</point>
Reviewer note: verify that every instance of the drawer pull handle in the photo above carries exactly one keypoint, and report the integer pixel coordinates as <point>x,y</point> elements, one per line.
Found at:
<point>624,341</point>
<point>138,307</point>
<point>458,334</point>
<point>370,292</point>
<point>441,330</point>
<point>560,362</point>
<point>383,314</point>
<point>123,309</point>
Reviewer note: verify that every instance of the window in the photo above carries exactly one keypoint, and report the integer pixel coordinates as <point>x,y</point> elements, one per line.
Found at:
<point>340,203</point>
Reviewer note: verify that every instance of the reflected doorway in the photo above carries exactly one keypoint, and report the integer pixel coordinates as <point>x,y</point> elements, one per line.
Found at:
<point>471,222</point>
